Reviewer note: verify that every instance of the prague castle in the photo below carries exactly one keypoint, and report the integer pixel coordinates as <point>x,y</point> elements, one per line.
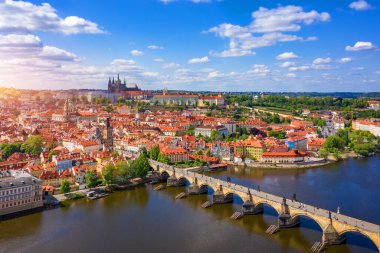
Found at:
<point>116,86</point>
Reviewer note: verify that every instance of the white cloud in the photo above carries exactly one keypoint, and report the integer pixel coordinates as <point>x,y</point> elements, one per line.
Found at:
<point>290,75</point>
<point>122,62</point>
<point>136,52</point>
<point>199,60</point>
<point>17,46</point>
<point>287,64</point>
<point>286,55</point>
<point>24,17</point>
<point>18,40</point>
<point>361,45</point>
<point>310,67</point>
<point>213,74</point>
<point>151,74</point>
<point>54,53</point>
<point>232,52</point>
<point>159,60</point>
<point>344,60</point>
<point>154,47</point>
<point>201,1</point>
<point>167,1</point>
<point>259,70</point>
<point>267,28</point>
<point>284,19</point>
<point>360,5</point>
<point>311,38</point>
<point>378,72</point>
<point>322,60</point>
<point>170,65</point>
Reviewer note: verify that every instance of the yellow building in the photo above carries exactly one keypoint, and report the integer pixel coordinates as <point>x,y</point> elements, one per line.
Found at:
<point>249,149</point>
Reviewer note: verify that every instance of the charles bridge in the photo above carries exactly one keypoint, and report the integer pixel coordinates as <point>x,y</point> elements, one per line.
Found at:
<point>334,225</point>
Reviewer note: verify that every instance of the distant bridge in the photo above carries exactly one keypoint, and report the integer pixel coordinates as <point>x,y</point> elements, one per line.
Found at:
<point>333,225</point>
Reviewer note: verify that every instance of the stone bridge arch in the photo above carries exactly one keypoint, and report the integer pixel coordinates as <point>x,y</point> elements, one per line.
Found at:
<point>242,196</point>
<point>321,223</point>
<point>259,203</point>
<point>373,237</point>
<point>206,186</point>
<point>165,173</point>
<point>183,180</point>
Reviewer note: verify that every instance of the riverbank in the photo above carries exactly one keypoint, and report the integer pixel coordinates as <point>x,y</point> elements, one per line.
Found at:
<point>53,200</point>
<point>299,165</point>
<point>304,165</point>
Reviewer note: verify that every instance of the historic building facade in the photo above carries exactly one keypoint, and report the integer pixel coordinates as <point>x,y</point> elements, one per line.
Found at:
<point>19,191</point>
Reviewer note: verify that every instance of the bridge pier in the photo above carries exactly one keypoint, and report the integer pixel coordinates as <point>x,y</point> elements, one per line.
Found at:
<point>331,236</point>
<point>285,220</point>
<point>219,198</point>
<point>172,181</point>
<point>249,208</point>
<point>194,188</point>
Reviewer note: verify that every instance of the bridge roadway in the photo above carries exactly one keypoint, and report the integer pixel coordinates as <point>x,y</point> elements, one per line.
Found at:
<point>333,225</point>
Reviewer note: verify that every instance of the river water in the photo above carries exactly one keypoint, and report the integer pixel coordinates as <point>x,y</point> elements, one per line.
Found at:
<point>143,220</point>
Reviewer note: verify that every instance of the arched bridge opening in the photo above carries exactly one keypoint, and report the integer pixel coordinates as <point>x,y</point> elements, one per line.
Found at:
<point>357,241</point>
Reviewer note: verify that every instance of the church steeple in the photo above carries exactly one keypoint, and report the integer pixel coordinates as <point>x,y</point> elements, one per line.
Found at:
<point>118,78</point>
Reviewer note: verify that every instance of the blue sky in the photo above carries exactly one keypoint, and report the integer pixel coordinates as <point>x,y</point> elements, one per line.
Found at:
<point>229,45</point>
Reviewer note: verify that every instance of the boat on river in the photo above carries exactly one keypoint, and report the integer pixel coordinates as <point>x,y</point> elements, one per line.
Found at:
<point>95,195</point>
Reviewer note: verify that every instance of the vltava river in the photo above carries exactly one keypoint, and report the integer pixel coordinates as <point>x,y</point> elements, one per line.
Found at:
<point>142,220</point>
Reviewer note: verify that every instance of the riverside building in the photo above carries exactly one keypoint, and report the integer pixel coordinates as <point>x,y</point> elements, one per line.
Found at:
<point>19,191</point>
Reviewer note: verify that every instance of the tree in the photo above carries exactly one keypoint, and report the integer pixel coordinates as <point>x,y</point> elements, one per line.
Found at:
<point>91,178</point>
<point>108,173</point>
<point>141,166</point>
<point>122,170</point>
<point>323,153</point>
<point>114,153</point>
<point>154,152</point>
<point>51,154</point>
<point>108,108</point>
<point>33,145</point>
<point>65,187</point>
<point>163,158</point>
<point>121,100</point>
<point>8,149</point>
<point>333,142</point>
<point>199,152</point>
<point>215,135</point>
<point>277,135</point>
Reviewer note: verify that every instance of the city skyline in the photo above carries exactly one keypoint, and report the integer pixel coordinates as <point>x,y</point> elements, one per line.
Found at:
<point>191,45</point>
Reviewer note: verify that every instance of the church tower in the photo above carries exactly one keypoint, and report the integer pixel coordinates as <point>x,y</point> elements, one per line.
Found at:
<point>108,135</point>
<point>66,111</point>
<point>109,84</point>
